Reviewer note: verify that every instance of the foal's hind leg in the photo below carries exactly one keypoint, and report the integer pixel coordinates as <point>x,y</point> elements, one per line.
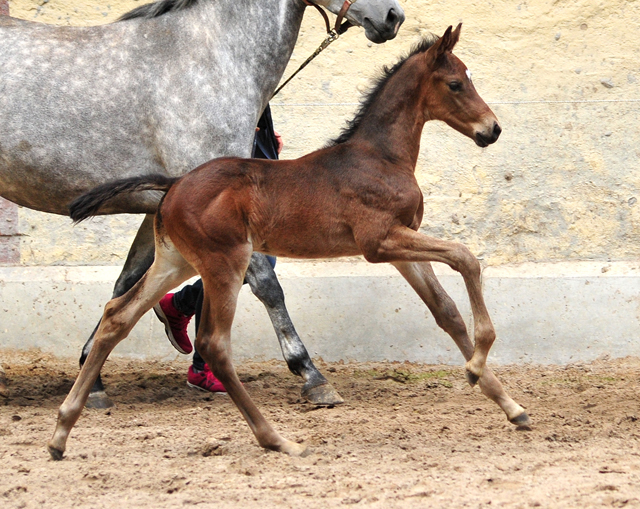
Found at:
<point>120,315</point>
<point>423,280</point>
<point>222,276</point>
<point>138,261</point>
<point>264,284</point>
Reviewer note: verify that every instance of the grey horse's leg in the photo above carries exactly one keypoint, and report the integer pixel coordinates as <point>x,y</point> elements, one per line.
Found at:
<point>138,261</point>
<point>264,285</point>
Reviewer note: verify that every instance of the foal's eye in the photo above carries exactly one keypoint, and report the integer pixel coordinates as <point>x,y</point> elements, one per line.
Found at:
<point>455,86</point>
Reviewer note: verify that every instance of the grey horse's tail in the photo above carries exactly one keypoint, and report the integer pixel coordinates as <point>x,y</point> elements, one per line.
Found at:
<point>89,204</point>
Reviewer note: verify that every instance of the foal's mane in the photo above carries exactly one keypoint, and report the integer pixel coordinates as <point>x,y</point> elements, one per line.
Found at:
<point>155,9</point>
<point>372,95</point>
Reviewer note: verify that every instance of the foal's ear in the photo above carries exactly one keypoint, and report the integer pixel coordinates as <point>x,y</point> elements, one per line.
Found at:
<point>445,44</point>
<point>455,37</point>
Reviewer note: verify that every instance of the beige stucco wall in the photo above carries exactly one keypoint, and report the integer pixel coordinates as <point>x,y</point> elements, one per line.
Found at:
<point>562,76</point>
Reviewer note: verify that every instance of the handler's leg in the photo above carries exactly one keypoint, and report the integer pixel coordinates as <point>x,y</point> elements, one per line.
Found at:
<point>138,261</point>
<point>264,285</point>
<point>423,280</point>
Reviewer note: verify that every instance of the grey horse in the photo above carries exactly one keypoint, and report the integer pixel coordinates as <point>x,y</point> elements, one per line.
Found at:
<point>166,88</point>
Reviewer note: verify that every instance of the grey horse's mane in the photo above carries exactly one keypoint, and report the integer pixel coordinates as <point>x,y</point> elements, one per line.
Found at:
<point>375,90</point>
<point>156,9</point>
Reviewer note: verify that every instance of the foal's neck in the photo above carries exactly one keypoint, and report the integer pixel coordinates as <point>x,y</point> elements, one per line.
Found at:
<point>393,123</point>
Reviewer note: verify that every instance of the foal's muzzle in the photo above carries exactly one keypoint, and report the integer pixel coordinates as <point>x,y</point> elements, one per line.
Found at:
<point>484,139</point>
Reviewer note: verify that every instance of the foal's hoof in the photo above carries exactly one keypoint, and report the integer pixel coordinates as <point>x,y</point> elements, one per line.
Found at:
<point>56,454</point>
<point>294,449</point>
<point>522,422</point>
<point>98,400</point>
<point>321,395</point>
<point>472,378</point>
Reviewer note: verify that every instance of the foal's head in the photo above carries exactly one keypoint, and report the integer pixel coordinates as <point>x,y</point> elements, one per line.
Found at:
<point>452,97</point>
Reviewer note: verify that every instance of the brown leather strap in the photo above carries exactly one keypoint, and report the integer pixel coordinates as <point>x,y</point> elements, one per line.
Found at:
<point>341,27</point>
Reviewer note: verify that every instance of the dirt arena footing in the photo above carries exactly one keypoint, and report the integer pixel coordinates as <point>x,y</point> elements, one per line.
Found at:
<point>409,435</point>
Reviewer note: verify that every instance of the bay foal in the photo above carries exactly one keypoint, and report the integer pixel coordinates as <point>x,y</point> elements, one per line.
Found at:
<point>357,196</point>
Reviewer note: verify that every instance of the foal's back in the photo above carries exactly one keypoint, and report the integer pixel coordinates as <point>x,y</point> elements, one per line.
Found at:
<point>316,206</point>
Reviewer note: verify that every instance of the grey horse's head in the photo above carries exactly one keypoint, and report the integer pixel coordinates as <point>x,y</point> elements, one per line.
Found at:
<point>380,19</point>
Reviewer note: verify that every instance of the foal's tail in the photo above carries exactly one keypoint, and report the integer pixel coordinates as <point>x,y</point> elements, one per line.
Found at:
<point>89,204</point>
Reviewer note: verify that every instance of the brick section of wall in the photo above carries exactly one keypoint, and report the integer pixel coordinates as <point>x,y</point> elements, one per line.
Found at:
<point>8,218</point>
<point>9,242</point>
<point>9,251</point>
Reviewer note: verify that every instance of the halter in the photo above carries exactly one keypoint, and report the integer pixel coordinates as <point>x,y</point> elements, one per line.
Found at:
<point>339,27</point>
<point>333,34</point>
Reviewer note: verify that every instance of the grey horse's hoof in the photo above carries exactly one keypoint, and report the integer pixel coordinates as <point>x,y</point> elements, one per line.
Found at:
<point>522,422</point>
<point>472,378</point>
<point>99,400</point>
<point>4,390</point>
<point>321,395</point>
<point>56,454</point>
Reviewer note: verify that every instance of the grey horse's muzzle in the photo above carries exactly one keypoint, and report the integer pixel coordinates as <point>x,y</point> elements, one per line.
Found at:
<point>385,31</point>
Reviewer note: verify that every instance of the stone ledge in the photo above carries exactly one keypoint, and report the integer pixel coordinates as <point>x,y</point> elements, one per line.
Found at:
<point>543,313</point>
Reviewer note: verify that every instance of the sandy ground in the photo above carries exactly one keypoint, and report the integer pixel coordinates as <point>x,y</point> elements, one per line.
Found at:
<point>408,436</point>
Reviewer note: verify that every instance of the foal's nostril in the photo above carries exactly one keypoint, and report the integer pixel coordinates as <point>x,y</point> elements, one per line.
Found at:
<point>496,130</point>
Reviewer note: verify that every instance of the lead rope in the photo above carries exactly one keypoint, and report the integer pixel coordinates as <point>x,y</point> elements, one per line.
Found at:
<point>332,35</point>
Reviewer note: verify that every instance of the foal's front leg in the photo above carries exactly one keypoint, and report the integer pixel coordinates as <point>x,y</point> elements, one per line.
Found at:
<point>405,244</point>
<point>423,280</point>
<point>264,285</point>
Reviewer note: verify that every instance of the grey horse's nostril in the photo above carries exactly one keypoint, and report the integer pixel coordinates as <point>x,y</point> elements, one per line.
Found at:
<point>392,17</point>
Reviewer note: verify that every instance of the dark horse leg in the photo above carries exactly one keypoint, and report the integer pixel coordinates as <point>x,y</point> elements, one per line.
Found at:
<point>264,285</point>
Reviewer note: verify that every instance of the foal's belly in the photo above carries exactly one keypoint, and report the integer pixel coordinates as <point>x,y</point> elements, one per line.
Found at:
<point>306,244</point>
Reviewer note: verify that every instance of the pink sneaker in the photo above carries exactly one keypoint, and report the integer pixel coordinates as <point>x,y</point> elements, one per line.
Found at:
<point>175,324</point>
<point>205,381</point>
